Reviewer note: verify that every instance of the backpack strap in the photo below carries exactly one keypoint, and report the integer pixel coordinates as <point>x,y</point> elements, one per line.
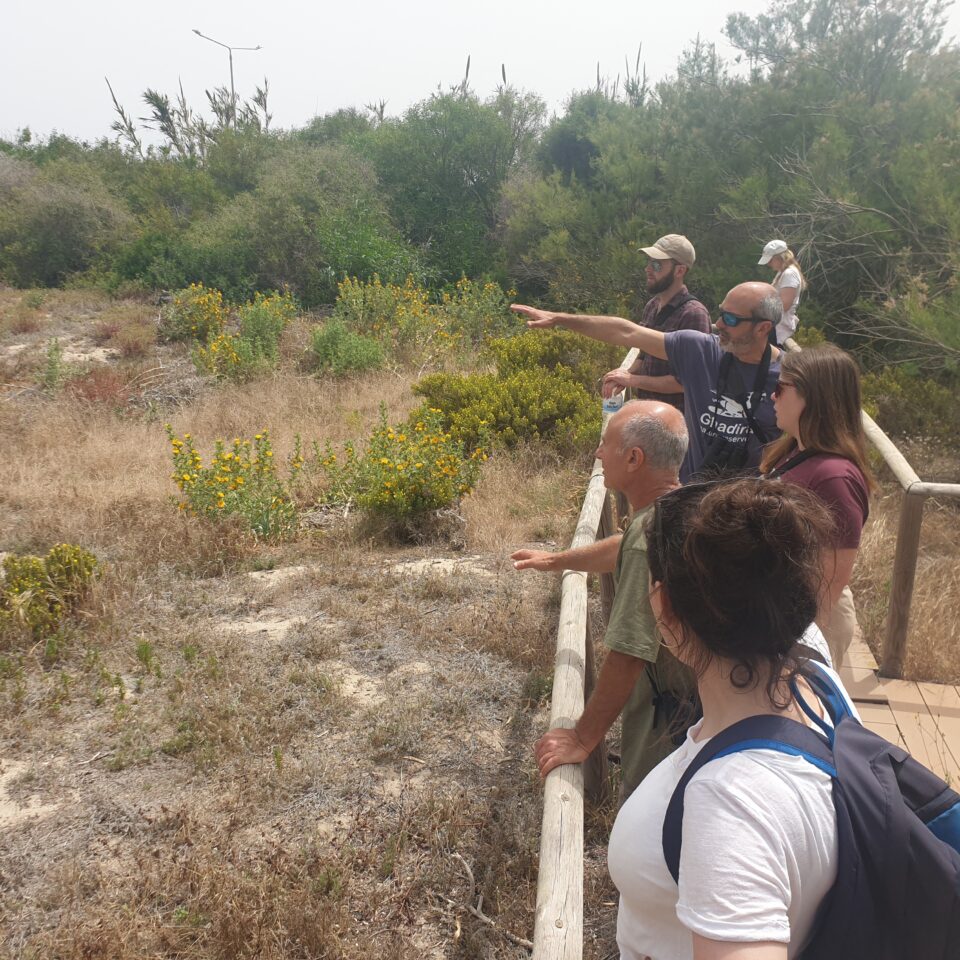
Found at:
<point>667,311</point>
<point>753,733</point>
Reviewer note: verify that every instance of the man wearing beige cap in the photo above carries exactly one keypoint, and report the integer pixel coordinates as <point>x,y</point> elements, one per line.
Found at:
<point>672,307</point>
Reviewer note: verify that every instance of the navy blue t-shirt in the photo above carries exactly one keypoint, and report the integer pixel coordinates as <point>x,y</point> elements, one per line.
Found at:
<point>694,360</point>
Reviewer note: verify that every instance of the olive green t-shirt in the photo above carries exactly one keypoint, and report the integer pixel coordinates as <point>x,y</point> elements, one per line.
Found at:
<point>632,630</point>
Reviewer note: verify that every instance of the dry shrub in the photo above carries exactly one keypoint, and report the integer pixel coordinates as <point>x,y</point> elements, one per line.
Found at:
<point>933,640</point>
<point>526,495</point>
<point>135,340</point>
<point>23,319</point>
<point>102,384</point>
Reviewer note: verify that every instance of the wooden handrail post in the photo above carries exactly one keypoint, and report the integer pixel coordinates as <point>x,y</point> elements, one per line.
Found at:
<point>901,585</point>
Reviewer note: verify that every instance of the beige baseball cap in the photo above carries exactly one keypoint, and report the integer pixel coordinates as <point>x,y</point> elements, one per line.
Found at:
<point>673,246</point>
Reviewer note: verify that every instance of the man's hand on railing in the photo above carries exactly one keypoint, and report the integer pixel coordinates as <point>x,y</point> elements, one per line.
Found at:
<point>559,746</point>
<point>616,380</point>
<point>535,317</point>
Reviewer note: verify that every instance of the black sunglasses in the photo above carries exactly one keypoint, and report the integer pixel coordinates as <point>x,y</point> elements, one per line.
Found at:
<point>732,320</point>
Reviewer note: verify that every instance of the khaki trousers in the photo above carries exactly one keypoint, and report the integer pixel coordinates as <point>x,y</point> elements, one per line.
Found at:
<point>839,627</point>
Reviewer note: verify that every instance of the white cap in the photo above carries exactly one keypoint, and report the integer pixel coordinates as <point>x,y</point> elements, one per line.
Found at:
<point>773,249</point>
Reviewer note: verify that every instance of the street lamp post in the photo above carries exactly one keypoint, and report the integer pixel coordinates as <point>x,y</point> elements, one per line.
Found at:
<point>229,49</point>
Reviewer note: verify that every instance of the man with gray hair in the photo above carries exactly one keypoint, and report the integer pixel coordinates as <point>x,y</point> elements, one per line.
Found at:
<point>641,451</point>
<point>727,377</point>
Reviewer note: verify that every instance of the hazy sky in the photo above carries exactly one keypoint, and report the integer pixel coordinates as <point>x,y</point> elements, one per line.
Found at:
<point>319,57</point>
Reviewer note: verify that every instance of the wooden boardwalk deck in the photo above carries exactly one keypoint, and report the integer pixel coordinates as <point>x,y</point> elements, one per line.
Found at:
<point>923,717</point>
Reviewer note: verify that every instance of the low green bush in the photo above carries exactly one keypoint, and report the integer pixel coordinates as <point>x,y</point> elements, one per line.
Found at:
<point>582,359</point>
<point>335,348</point>
<point>37,593</point>
<point>263,320</point>
<point>908,405</point>
<point>526,405</point>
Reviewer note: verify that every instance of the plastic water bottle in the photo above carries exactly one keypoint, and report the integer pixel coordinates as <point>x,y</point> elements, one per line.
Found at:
<point>613,404</point>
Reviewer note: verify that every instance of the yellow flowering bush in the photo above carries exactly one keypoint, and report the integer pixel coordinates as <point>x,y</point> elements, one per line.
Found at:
<point>400,316</point>
<point>196,313</point>
<point>478,310</point>
<point>242,480</point>
<point>36,593</point>
<point>255,348</point>
<point>405,472</point>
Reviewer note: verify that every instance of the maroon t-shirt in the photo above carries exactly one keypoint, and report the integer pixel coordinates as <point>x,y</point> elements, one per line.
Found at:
<point>842,487</point>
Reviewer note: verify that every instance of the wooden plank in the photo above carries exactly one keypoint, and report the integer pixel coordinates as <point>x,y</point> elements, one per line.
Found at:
<point>859,655</point>
<point>871,713</point>
<point>923,737</point>
<point>943,701</point>
<point>862,685</point>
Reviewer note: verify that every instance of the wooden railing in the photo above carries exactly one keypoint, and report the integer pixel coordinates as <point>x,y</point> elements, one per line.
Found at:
<point>558,926</point>
<point>915,494</point>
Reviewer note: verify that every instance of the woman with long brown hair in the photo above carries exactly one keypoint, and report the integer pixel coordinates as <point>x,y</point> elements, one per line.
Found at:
<point>823,448</point>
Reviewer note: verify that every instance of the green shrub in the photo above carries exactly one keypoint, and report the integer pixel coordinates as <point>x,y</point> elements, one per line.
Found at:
<point>906,404</point>
<point>405,472</point>
<point>243,480</point>
<point>526,405</point>
<point>582,359</point>
<point>337,349</point>
<point>263,320</point>
<point>37,593</point>
<point>196,313</point>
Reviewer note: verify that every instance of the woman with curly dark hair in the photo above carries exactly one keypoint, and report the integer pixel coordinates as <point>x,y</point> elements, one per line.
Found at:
<point>736,578</point>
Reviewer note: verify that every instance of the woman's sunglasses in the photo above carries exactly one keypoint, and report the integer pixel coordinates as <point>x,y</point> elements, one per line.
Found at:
<point>779,388</point>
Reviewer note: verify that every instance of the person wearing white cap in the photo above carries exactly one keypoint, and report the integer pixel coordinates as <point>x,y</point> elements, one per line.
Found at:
<point>788,281</point>
<point>671,307</point>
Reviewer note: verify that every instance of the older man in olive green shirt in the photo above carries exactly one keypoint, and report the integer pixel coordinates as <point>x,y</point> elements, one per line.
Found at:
<point>641,451</point>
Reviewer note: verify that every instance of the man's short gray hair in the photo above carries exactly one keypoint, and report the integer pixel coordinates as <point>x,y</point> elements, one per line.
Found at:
<point>663,448</point>
<point>769,308</point>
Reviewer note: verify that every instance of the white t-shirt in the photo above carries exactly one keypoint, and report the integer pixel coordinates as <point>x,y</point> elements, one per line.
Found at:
<point>788,279</point>
<point>759,853</point>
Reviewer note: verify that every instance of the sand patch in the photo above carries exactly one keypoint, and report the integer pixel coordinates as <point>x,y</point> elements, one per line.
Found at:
<point>443,566</point>
<point>14,811</point>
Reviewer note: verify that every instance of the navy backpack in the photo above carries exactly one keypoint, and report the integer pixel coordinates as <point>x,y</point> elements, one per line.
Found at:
<point>897,892</point>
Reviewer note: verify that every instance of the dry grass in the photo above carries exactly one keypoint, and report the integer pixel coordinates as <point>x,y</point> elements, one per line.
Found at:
<point>933,642</point>
<point>269,750</point>
<point>241,749</point>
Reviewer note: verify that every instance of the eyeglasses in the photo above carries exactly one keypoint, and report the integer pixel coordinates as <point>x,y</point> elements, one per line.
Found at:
<point>780,387</point>
<point>731,319</point>
<point>655,266</point>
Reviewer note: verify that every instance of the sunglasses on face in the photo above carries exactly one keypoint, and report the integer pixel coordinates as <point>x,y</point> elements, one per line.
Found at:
<point>655,266</point>
<point>732,320</point>
<point>782,385</point>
